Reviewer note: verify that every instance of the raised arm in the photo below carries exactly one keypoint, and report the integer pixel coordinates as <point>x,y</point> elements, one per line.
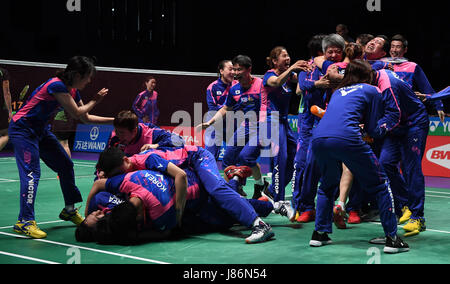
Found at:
<point>219,115</point>
<point>7,97</point>
<point>79,111</point>
<point>99,185</point>
<point>275,81</point>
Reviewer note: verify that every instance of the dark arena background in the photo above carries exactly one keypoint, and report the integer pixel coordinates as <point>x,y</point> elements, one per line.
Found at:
<point>194,36</point>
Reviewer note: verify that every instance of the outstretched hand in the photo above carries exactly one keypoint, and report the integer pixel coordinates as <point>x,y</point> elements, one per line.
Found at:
<point>101,94</point>
<point>201,127</point>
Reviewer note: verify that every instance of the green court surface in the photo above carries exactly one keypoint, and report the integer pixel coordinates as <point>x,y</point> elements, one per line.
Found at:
<point>290,245</point>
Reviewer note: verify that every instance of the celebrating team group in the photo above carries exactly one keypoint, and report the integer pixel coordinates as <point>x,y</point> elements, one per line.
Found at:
<point>362,130</point>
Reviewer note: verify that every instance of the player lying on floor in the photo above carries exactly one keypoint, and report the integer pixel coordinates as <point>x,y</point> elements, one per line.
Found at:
<point>141,207</point>
<point>236,207</point>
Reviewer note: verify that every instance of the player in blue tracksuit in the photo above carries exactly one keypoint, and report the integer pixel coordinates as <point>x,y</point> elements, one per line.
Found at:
<point>216,95</point>
<point>412,73</point>
<point>279,86</point>
<point>337,139</point>
<point>244,99</point>
<point>307,180</point>
<point>406,143</point>
<point>32,140</point>
<point>316,89</point>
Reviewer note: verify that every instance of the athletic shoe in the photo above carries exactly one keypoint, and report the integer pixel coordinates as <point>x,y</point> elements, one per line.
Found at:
<point>264,198</point>
<point>284,208</point>
<point>242,172</point>
<point>307,216</point>
<point>262,190</point>
<point>260,233</point>
<point>319,239</point>
<point>354,218</point>
<point>378,241</point>
<point>406,215</point>
<point>74,216</point>
<point>29,228</point>
<point>297,214</point>
<point>339,217</point>
<point>395,245</point>
<point>414,227</point>
<point>373,215</point>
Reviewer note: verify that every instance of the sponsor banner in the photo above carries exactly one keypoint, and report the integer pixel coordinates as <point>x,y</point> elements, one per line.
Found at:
<point>190,136</point>
<point>92,138</point>
<point>437,128</point>
<point>436,161</point>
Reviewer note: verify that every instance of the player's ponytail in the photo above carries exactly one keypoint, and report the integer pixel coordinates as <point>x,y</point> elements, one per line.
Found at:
<point>357,72</point>
<point>354,51</point>
<point>78,65</point>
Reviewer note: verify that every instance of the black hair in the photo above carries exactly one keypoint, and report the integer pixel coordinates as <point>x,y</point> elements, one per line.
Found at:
<point>221,65</point>
<point>117,227</point>
<point>401,38</point>
<point>110,160</point>
<point>387,43</point>
<point>77,65</point>
<point>84,234</point>
<point>243,60</point>
<point>365,38</point>
<point>315,45</point>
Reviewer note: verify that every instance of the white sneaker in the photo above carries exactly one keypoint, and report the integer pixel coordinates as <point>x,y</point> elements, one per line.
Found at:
<point>284,208</point>
<point>260,233</point>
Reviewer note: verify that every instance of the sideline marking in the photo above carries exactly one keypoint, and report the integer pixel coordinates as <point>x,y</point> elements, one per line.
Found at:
<point>86,248</point>
<point>28,258</point>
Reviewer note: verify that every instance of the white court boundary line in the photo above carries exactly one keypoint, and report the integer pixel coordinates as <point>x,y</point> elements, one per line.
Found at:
<point>431,230</point>
<point>28,258</point>
<point>41,223</point>
<point>440,192</point>
<point>109,69</point>
<point>86,248</point>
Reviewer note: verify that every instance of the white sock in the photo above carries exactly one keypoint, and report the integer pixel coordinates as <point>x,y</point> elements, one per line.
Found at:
<point>257,221</point>
<point>342,204</point>
<point>70,208</point>
<point>259,181</point>
<point>276,205</point>
<point>236,178</point>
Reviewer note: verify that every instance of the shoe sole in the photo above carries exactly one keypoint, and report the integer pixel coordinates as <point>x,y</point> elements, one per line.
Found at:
<point>264,239</point>
<point>378,241</point>
<point>316,244</point>
<point>19,231</point>
<point>392,250</point>
<point>70,220</point>
<point>304,221</point>
<point>413,233</point>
